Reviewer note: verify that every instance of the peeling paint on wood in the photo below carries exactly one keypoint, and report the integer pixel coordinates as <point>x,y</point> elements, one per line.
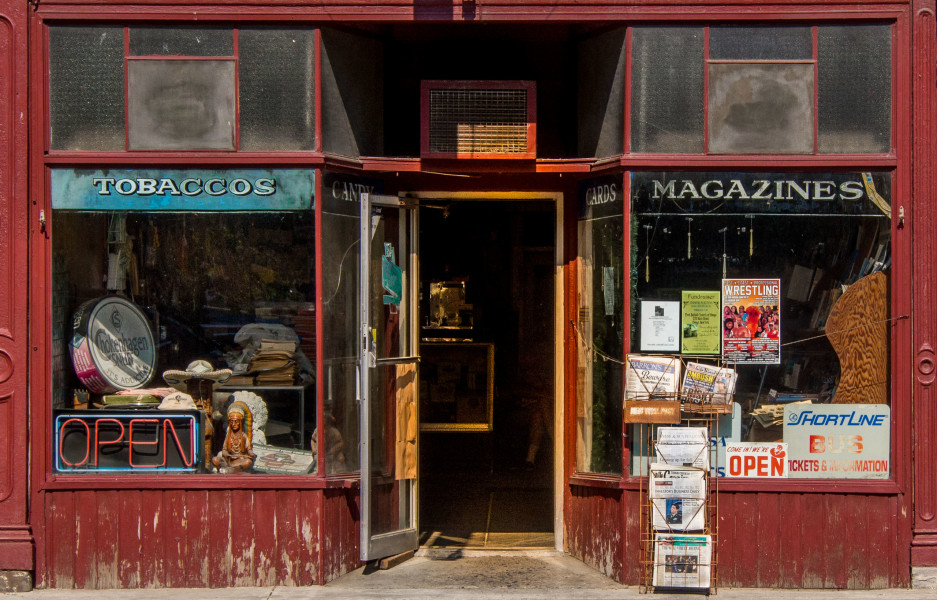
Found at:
<point>764,539</point>
<point>198,538</point>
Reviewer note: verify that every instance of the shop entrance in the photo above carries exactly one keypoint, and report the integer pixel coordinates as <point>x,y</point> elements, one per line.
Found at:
<point>488,373</point>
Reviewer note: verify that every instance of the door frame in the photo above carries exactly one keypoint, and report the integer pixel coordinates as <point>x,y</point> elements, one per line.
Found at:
<point>559,345</point>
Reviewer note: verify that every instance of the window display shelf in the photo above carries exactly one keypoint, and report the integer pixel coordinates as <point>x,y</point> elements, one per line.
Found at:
<point>287,410</point>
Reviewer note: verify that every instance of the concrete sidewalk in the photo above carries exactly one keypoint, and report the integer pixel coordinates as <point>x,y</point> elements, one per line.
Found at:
<point>464,576</point>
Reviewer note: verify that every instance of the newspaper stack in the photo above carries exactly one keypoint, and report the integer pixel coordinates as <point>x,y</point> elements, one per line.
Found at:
<point>709,381</point>
<point>274,363</point>
<point>677,489</point>
<point>677,484</point>
<point>678,498</point>
<point>682,561</point>
<point>769,415</point>
<point>652,377</point>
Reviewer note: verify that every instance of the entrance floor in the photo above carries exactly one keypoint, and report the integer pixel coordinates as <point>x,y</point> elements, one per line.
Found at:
<point>485,511</point>
<point>506,570</point>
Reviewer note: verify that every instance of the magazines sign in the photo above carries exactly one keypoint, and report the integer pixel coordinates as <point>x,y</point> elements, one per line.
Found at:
<point>751,321</point>
<point>838,441</point>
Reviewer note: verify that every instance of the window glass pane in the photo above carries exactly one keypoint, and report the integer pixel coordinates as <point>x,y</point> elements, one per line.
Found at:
<point>181,104</point>
<point>760,43</point>
<point>181,41</point>
<point>277,89</point>
<point>667,89</point>
<point>340,273</point>
<point>855,88</point>
<point>599,327</point>
<point>233,289</point>
<point>819,234</point>
<point>761,108</point>
<point>86,88</point>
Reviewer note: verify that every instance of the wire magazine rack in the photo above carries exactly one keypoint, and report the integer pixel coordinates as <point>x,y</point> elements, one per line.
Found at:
<point>675,407</point>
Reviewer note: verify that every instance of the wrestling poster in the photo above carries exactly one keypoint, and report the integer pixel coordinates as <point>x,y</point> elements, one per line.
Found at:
<point>751,321</point>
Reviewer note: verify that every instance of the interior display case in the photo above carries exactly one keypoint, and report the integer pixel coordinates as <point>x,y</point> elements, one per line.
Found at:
<point>457,386</point>
<point>291,412</point>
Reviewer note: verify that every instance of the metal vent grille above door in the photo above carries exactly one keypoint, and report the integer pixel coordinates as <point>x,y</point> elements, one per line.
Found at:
<point>478,119</point>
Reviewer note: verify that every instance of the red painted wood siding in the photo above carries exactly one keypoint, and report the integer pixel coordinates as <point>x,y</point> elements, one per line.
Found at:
<point>594,529</point>
<point>16,541</point>
<point>768,539</point>
<point>198,538</point>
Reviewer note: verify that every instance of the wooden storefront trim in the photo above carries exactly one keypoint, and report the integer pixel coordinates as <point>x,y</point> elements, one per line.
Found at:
<point>198,538</point>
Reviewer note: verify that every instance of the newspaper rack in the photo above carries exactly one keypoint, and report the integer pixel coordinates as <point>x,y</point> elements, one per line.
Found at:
<point>676,416</point>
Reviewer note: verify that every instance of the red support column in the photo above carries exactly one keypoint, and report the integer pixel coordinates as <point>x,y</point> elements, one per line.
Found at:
<point>924,422</point>
<point>16,541</point>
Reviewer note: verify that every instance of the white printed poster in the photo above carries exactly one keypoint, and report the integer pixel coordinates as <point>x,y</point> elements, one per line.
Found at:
<point>751,321</point>
<point>652,377</point>
<point>660,326</point>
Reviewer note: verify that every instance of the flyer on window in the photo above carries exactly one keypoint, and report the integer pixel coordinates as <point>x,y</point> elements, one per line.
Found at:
<point>660,326</point>
<point>701,325</point>
<point>751,321</point>
<point>682,561</point>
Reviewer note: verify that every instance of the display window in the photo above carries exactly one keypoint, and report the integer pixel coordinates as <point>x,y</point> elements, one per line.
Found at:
<point>768,294</point>
<point>184,321</point>
<point>600,326</point>
<point>341,243</point>
<point>183,299</point>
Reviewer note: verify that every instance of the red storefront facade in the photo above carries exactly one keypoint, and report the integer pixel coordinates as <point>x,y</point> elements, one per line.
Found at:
<point>358,120</point>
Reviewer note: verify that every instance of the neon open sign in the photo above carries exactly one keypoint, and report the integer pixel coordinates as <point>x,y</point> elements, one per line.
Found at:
<point>139,441</point>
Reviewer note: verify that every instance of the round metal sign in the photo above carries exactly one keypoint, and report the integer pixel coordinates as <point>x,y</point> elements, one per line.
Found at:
<point>112,346</point>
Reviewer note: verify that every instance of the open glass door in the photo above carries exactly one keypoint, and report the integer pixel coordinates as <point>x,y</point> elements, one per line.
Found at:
<point>387,364</point>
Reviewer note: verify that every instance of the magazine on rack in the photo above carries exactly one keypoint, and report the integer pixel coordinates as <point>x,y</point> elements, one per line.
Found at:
<point>709,379</point>
<point>678,497</point>
<point>652,377</point>
<point>682,561</point>
<point>683,446</point>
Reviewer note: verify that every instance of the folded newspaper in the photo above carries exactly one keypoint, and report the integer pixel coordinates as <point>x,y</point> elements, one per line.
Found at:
<point>700,380</point>
<point>683,446</point>
<point>678,497</point>
<point>652,377</point>
<point>682,561</point>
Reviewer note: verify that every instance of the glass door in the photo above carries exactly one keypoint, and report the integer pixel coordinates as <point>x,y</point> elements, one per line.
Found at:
<point>387,376</point>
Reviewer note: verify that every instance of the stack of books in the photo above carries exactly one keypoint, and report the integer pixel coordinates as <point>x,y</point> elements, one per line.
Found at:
<point>274,363</point>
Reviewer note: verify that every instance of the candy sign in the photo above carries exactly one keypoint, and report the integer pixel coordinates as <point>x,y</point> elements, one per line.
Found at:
<point>756,459</point>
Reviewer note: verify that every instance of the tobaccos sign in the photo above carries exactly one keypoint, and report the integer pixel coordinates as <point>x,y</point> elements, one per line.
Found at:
<point>182,189</point>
